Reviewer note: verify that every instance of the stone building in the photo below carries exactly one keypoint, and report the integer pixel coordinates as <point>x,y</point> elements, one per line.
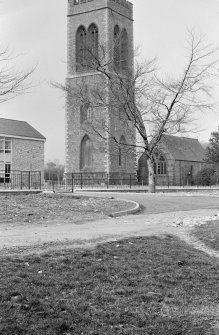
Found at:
<point>177,161</point>
<point>98,23</point>
<point>21,148</point>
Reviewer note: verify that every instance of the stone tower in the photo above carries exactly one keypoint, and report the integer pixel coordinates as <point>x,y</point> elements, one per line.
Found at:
<point>98,22</point>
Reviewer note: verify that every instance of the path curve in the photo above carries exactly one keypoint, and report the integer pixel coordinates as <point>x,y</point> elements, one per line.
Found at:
<point>38,238</point>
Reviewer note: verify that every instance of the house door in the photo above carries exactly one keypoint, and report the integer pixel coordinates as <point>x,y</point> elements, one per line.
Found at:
<point>7,172</point>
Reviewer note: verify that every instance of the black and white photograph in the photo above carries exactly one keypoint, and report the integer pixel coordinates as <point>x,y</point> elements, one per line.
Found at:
<point>109,167</point>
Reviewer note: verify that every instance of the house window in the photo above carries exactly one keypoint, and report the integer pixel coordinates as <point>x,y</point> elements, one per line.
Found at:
<point>2,167</point>
<point>5,145</point>
<point>160,165</point>
<point>86,153</point>
<point>2,145</point>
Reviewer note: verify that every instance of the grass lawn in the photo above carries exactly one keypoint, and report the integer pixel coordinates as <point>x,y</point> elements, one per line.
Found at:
<point>137,286</point>
<point>43,208</point>
<point>208,234</point>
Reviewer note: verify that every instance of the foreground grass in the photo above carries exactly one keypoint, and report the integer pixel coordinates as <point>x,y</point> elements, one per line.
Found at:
<point>208,234</point>
<point>136,286</point>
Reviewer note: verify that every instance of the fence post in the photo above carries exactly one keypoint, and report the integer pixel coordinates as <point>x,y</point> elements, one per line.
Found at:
<point>53,186</point>
<point>107,181</point>
<point>81,181</point>
<point>21,180</point>
<point>72,183</point>
<point>40,180</point>
<point>130,180</point>
<point>29,181</point>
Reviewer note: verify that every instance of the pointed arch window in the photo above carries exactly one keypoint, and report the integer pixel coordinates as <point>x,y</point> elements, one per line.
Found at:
<point>85,112</point>
<point>93,43</point>
<point>121,49</point>
<point>124,50</point>
<point>81,49</point>
<point>86,153</point>
<point>160,165</point>
<point>122,152</point>
<point>117,48</point>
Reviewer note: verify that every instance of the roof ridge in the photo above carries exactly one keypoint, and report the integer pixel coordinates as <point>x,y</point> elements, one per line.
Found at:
<point>19,128</point>
<point>3,118</point>
<point>176,136</point>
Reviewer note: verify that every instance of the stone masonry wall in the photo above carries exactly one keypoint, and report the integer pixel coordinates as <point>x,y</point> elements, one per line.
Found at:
<point>120,126</point>
<point>105,14</point>
<point>179,173</point>
<point>28,155</point>
<point>75,132</point>
<point>185,172</point>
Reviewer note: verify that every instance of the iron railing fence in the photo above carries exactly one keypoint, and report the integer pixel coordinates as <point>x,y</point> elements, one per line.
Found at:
<point>100,180</point>
<point>19,180</point>
<point>113,181</point>
<point>97,180</point>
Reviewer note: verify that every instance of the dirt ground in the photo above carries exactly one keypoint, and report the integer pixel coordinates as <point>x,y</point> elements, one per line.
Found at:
<point>40,223</point>
<point>23,210</point>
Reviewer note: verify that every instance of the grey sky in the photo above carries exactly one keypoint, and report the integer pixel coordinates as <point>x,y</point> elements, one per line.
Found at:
<point>36,30</point>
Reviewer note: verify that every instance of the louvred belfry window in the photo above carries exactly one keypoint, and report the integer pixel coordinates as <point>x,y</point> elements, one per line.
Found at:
<point>93,44</point>
<point>121,49</point>
<point>81,49</point>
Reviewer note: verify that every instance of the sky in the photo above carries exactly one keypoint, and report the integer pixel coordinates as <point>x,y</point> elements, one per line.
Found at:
<point>36,33</point>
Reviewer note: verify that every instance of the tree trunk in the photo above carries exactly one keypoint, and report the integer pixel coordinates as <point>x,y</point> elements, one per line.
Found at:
<point>151,176</point>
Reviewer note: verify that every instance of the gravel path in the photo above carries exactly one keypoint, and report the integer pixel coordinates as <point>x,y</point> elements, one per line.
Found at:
<point>58,233</point>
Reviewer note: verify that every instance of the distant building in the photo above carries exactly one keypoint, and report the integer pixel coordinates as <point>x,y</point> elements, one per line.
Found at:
<point>177,161</point>
<point>21,148</point>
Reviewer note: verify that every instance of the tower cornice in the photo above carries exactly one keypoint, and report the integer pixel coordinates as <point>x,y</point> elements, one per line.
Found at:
<point>122,7</point>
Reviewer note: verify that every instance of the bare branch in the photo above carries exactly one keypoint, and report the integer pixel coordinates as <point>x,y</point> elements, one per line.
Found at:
<point>12,81</point>
<point>137,98</point>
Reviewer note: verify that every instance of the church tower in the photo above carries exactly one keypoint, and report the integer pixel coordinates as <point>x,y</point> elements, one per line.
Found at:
<point>97,22</point>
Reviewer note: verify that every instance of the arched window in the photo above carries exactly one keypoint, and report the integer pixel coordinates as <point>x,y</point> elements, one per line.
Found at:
<point>93,44</point>
<point>85,112</point>
<point>81,49</point>
<point>160,165</point>
<point>122,152</point>
<point>124,50</point>
<point>86,153</point>
<point>117,48</point>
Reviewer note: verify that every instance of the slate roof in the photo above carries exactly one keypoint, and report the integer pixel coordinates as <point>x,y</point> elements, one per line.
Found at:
<point>18,128</point>
<point>184,148</point>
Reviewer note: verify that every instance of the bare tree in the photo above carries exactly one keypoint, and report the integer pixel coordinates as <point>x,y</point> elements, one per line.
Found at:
<point>12,81</point>
<point>150,104</point>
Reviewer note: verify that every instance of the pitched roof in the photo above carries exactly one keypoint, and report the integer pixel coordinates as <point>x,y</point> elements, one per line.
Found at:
<point>184,148</point>
<point>18,128</point>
